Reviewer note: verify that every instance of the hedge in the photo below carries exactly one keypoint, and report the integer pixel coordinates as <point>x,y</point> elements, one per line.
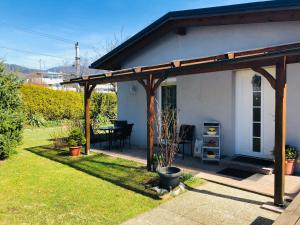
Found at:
<point>51,104</point>
<point>59,104</point>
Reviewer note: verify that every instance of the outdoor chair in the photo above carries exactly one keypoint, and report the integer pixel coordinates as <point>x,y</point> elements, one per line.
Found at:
<point>186,136</point>
<point>123,134</point>
<point>95,137</point>
<point>120,123</point>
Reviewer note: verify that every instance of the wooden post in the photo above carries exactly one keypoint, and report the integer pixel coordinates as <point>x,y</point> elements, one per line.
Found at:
<point>87,95</point>
<point>280,132</point>
<point>87,118</point>
<point>150,120</point>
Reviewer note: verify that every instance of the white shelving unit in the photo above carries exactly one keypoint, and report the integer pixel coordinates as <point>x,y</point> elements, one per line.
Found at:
<point>211,149</point>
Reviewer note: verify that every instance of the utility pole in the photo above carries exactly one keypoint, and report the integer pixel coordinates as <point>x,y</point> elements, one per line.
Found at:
<point>77,59</point>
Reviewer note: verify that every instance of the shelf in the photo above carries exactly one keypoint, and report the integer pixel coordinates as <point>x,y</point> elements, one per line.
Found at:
<point>209,135</point>
<point>211,147</point>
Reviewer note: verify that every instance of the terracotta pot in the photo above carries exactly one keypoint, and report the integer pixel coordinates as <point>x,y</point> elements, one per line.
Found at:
<point>289,166</point>
<point>75,151</point>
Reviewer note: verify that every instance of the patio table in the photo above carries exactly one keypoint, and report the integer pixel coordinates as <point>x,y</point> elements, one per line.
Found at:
<point>109,130</point>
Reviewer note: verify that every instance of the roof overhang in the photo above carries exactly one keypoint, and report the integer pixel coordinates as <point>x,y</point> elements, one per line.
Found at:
<point>228,61</point>
<point>257,12</point>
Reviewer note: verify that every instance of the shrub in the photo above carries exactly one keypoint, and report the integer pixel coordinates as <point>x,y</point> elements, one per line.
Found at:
<point>76,137</point>
<point>36,120</point>
<point>104,104</point>
<point>51,104</point>
<point>11,117</point>
<point>291,152</point>
<point>54,105</point>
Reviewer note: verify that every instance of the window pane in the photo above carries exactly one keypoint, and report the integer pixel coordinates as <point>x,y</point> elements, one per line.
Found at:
<point>256,114</point>
<point>256,144</point>
<point>256,129</point>
<point>256,83</point>
<point>256,98</point>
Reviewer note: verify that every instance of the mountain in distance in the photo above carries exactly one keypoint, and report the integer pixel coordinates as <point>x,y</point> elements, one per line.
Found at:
<point>25,71</point>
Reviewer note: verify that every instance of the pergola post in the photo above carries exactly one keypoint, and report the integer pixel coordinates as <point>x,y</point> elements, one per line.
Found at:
<point>150,121</point>
<point>150,88</point>
<point>280,132</point>
<point>87,95</point>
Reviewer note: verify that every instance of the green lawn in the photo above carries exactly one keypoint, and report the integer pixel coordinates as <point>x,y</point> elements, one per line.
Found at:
<point>37,190</point>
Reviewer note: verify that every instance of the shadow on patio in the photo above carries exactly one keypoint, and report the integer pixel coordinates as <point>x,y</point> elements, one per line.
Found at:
<point>257,183</point>
<point>125,173</point>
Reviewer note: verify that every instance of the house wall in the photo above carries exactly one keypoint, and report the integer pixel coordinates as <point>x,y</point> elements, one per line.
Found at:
<point>208,96</point>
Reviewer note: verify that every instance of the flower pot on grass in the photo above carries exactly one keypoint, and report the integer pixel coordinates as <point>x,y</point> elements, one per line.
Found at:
<point>75,141</point>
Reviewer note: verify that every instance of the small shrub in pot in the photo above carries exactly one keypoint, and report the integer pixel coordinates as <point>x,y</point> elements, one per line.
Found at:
<point>291,156</point>
<point>75,141</point>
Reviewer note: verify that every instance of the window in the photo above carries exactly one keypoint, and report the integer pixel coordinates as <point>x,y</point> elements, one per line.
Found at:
<point>256,110</point>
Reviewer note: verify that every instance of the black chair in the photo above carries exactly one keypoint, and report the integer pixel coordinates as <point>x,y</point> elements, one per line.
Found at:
<point>123,134</point>
<point>186,136</point>
<point>120,123</point>
<point>95,137</point>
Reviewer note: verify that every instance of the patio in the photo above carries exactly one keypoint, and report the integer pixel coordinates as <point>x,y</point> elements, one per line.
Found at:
<point>257,183</point>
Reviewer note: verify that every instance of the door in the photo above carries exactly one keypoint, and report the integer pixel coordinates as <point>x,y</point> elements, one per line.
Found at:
<point>255,114</point>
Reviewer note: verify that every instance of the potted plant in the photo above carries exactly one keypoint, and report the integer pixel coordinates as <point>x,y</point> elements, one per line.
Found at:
<point>291,156</point>
<point>75,141</point>
<point>166,137</point>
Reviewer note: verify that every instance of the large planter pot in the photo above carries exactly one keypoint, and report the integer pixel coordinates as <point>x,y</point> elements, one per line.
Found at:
<point>169,177</point>
<point>75,151</point>
<point>290,166</point>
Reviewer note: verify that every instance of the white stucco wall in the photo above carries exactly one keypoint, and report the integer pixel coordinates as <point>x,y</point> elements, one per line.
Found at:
<point>209,96</point>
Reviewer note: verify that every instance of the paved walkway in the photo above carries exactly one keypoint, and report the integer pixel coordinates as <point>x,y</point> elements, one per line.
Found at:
<point>210,204</point>
<point>258,183</point>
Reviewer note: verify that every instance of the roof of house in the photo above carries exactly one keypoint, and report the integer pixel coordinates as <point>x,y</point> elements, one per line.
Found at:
<point>288,10</point>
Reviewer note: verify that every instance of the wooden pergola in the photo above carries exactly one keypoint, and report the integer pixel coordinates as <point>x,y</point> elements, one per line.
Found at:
<point>150,77</point>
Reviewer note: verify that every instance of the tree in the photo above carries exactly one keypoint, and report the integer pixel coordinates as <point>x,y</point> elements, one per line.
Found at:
<point>11,116</point>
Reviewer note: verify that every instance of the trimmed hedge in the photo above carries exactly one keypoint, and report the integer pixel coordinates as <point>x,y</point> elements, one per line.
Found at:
<point>51,104</point>
<point>42,102</point>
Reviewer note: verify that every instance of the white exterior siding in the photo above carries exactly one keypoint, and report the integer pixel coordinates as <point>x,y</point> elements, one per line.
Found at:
<point>210,96</point>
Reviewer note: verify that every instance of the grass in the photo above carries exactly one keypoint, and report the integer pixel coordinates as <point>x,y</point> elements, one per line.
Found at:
<point>36,190</point>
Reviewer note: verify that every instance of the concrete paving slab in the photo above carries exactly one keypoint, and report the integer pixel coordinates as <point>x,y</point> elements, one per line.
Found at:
<point>210,204</point>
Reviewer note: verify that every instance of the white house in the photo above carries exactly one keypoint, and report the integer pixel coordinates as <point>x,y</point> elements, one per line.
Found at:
<point>246,112</point>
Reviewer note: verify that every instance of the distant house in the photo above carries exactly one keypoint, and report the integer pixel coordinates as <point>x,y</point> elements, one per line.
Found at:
<point>241,100</point>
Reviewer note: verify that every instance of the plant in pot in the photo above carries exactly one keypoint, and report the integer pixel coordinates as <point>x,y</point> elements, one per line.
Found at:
<point>75,141</point>
<point>291,156</point>
<point>166,139</point>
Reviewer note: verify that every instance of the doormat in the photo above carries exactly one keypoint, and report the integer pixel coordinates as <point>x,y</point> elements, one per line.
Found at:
<point>254,161</point>
<point>240,174</point>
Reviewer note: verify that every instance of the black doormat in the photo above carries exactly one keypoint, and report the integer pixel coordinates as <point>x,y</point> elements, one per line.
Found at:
<point>240,174</point>
<point>254,161</point>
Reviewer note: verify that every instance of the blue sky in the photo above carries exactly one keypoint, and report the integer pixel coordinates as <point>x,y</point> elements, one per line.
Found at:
<point>93,23</point>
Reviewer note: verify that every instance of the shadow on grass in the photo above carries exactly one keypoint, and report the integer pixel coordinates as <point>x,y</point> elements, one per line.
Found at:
<point>124,173</point>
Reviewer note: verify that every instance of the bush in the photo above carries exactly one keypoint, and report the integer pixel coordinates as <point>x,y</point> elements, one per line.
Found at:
<point>51,104</point>
<point>36,120</point>
<point>76,137</point>
<point>42,102</point>
<point>291,152</point>
<point>11,117</point>
<point>104,104</point>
